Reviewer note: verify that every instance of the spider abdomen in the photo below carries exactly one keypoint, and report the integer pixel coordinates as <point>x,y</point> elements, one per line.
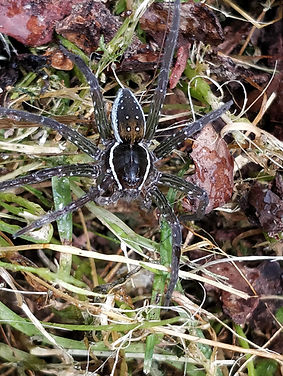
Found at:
<point>130,165</point>
<point>128,121</point>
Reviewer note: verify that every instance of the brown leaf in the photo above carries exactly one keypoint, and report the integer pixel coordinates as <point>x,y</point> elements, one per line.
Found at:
<point>59,61</point>
<point>179,67</point>
<point>268,206</point>
<point>214,168</point>
<point>264,279</point>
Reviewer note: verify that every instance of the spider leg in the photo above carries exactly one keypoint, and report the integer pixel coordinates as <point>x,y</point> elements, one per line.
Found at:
<point>189,189</point>
<point>160,91</point>
<point>173,142</point>
<point>68,133</point>
<point>169,215</point>
<point>97,98</point>
<point>52,216</point>
<point>84,170</point>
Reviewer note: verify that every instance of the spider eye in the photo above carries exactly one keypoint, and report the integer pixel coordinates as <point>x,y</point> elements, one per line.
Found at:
<point>128,121</point>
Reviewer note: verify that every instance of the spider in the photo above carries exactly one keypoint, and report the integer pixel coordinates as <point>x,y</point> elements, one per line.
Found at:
<point>125,168</point>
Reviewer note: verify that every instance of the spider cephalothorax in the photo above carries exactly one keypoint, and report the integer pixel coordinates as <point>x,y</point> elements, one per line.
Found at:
<point>125,168</point>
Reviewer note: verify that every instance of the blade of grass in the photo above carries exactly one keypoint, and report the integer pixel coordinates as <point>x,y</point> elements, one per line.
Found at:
<point>62,197</point>
<point>49,276</point>
<point>245,345</point>
<point>21,358</point>
<point>24,82</point>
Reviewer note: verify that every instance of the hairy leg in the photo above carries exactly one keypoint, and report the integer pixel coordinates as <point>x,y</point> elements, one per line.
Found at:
<point>68,133</point>
<point>169,144</point>
<point>52,216</point>
<point>83,170</point>
<point>191,190</point>
<point>97,98</point>
<point>160,91</point>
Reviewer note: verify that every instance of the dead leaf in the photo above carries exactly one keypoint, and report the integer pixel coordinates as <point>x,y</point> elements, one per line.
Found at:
<point>264,206</point>
<point>180,65</point>
<point>59,61</point>
<point>264,280</point>
<point>214,168</point>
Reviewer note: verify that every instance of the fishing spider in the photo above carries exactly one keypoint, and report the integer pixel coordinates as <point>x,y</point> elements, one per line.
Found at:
<point>125,167</point>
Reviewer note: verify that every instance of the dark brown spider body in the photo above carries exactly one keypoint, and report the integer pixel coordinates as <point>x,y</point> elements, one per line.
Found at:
<point>129,161</point>
<point>125,168</point>
<point>130,165</point>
